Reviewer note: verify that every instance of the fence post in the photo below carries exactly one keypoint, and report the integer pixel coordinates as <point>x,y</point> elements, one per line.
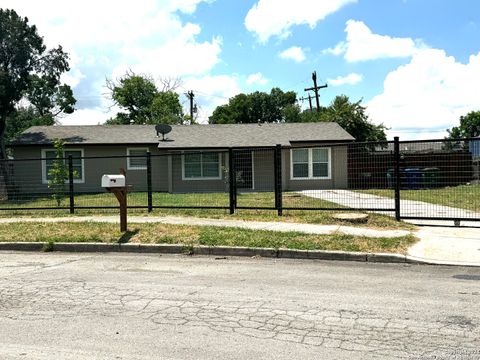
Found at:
<point>70,184</point>
<point>397,177</point>
<point>231,182</point>
<point>277,169</point>
<point>149,182</point>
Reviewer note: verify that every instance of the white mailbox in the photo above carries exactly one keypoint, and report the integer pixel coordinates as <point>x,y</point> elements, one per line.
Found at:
<point>110,181</point>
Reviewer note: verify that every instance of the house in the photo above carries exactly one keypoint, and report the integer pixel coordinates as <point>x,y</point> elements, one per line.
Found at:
<point>190,158</point>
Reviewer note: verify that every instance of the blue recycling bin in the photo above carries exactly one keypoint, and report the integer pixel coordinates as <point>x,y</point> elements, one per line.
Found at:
<point>391,179</point>
<point>413,178</point>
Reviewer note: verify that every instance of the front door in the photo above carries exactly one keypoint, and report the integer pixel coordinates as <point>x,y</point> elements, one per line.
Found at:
<point>242,161</point>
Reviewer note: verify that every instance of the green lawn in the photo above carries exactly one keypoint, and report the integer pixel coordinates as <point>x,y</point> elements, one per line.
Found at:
<point>264,199</point>
<point>196,235</point>
<point>462,196</point>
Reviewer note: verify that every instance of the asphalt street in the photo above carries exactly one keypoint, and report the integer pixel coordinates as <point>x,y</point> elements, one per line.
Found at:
<point>121,306</point>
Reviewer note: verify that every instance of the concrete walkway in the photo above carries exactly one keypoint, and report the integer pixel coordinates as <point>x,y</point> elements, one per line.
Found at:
<point>447,245</point>
<point>407,207</point>
<point>442,245</point>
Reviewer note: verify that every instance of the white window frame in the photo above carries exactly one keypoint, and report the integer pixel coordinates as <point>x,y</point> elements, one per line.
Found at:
<point>44,165</point>
<point>310,165</point>
<point>219,177</point>
<point>133,167</point>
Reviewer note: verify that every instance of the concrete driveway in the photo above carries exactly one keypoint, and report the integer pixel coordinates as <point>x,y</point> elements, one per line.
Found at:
<point>440,243</point>
<point>407,207</point>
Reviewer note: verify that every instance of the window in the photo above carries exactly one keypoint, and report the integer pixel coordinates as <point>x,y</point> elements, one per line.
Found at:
<point>310,163</point>
<point>138,161</point>
<point>201,166</point>
<point>77,164</point>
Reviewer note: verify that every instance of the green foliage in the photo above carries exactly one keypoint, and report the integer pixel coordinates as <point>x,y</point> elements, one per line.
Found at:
<point>48,246</point>
<point>28,70</point>
<point>469,126</point>
<point>166,106</point>
<point>24,117</point>
<point>49,97</point>
<point>143,103</point>
<point>187,249</point>
<point>58,174</point>
<point>226,176</point>
<point>278,106</point>
<point>291,113</point>
<point>349,115</point>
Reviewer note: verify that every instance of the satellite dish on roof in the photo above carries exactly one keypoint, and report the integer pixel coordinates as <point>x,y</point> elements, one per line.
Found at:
<point>163,129</point>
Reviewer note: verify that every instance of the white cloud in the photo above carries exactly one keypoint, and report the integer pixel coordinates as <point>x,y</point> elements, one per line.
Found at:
<point>107,22</point>
<point>294,53</point>
<point>93,116</point>
<point>431,92</point>
<point>339,49</point>
<point>256,78</point>
<point>350,79</point>
<point>105,38</point>
<point>174,58</point>
<point>361,44</point>
<point>269,18</point>
<point>72,78</point>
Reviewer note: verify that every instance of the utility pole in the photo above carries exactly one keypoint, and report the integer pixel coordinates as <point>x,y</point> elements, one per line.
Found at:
<point>191,95</point>
<point>316,88</point>
<point>309,101</point>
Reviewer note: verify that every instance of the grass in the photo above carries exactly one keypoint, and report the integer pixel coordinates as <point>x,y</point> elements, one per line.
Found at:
<point>463,196</point>
<point>265,199</point>
<point>190,236</point>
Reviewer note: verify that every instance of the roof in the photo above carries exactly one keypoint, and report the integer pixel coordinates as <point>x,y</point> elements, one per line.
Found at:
<point>187,136</point>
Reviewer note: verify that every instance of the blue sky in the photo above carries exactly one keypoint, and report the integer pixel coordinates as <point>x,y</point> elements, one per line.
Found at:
<point>415,63</point>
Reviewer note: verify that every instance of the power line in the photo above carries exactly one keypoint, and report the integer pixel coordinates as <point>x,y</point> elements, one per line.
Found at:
<point>309,100</point>
<point>198,92</point>
<point>316,88</point>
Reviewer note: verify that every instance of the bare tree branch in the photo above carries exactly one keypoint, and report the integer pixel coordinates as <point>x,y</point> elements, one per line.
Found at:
<point>169,83</point>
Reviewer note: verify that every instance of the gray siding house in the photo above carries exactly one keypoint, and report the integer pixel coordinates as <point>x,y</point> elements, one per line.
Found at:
<point>191,158</point>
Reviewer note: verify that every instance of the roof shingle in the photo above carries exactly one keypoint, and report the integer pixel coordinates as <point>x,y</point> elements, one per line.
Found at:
<point>187,136</point>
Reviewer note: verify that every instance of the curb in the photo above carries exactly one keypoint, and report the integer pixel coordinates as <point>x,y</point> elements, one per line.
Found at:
<point>214,251</point>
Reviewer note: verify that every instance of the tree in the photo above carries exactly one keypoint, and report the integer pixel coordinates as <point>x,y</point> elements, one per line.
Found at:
<point>43,108</point>
<point>277,106</point>
<point>143,103</point>
<point>58,173</point>
<point>350,116</point>
<point>166,106</point>
<point>169,83</point>
<point>29,71</point>
<point>22,118</point>
<point>49,97</point>
<point>469,126</point>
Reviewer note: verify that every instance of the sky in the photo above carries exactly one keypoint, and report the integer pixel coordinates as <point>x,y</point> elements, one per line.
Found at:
<point>414,64</point>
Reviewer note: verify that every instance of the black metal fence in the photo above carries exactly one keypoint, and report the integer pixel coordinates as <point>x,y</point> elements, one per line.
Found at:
<point>430,179</point>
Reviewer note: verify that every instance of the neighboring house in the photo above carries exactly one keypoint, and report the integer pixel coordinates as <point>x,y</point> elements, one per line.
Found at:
<point>192,158</point>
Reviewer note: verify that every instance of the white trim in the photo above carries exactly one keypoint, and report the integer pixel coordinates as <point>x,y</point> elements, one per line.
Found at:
<point>310,165</point>
<point>202,177</point>
<point>129,167</point>
<point>44,164</point>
